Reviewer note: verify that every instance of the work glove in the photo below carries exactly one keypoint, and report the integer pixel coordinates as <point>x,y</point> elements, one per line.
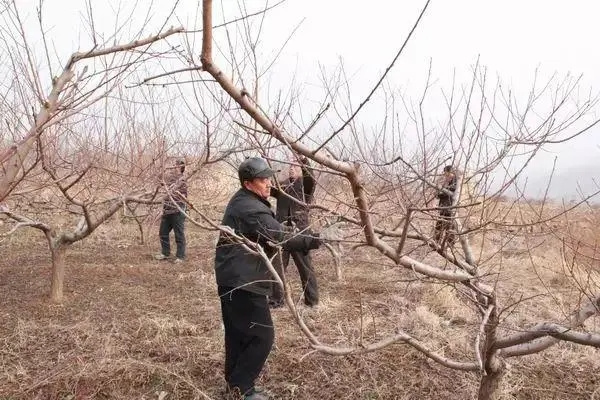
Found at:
<point>289,226</point>
<point>332,233</point>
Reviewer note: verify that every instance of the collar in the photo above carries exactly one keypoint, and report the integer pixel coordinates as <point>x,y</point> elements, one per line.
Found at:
<point>251,193</point>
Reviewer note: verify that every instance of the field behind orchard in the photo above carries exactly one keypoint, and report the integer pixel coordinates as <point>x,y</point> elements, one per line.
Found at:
<point>135,328</point>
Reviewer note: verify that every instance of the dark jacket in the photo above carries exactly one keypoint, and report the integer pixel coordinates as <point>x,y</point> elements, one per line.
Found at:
<point>251,216</point>
<point>301,189</point>
<point>177,190</point>
<point>445,199</point>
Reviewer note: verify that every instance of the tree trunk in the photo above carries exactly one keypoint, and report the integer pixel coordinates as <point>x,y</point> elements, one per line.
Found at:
<point>58,251</point>
<point>489,384</point>
<point>493,366</point>
<point>138,221</point>
<point>336,251</point>
<point>141,229</point>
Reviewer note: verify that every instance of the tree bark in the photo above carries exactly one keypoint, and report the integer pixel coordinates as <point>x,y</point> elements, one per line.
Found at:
<point>57,250</point>
<point>141,229</point>
<point>490,382</point>
<point>335,250</point>
<point>493,365</point>
<point>139,224</point>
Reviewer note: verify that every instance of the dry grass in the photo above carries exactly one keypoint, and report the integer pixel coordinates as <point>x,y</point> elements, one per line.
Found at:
<point>132,327</point>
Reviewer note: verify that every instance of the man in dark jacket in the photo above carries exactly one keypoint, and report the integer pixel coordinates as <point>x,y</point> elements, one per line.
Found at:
<point>173,219</point>
<point>444,225</point>
<point>293,198</point>
<point>243,279</point>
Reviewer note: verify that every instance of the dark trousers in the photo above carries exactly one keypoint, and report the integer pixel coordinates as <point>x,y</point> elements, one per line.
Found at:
<point>445,229</point>
<point>303,262</point>
<point>172,222</point>
<point>249,336</point>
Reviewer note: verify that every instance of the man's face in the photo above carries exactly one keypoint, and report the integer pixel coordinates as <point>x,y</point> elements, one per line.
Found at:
<point>448,176</point>
<point>294,172</point>
<point>260,186</point>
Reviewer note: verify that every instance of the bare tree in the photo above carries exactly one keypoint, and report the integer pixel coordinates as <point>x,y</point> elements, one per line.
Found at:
<point>489,135</point>
<point>87,176</point>
<point>35,102</point>
<point>75,166</point>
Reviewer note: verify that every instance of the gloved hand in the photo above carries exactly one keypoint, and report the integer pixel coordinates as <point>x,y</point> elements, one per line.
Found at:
<point>290,226</point>
<point>313,240</point>
<point>332,233</point>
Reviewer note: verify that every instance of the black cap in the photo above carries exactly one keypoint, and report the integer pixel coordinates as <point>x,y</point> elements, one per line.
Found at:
<point>254,167</point>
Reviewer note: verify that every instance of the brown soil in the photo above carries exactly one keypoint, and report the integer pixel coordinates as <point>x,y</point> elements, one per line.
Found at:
<point>134,328</point>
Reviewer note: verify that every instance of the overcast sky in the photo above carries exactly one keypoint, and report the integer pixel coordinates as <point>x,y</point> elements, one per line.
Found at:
<point>512,39</point>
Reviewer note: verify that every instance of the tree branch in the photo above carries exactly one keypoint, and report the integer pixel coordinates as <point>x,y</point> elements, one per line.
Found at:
<point>401,337</point>
<point>548,334</point>
<point>22,222</point>
<point>387,70</point>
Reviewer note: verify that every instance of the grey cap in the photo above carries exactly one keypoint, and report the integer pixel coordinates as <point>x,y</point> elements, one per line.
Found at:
<point>254,167</point>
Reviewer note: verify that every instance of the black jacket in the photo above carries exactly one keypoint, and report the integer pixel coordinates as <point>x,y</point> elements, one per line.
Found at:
<point>251,216</point>
<point>445,199</point>
<point>301,189</point>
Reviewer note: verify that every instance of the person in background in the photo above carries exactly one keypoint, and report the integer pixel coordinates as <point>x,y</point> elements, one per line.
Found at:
<point>293,198</point>
<point>173,218</point>
<point>444,226</point>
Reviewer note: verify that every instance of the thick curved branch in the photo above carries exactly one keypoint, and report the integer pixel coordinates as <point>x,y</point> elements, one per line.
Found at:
<point>400,337</point>
<point>570,335</point>
<point>123,47</point>
<point>22,222</point>
<point>90,224</point>
<point>545,335</point>
<point>242,97</point>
